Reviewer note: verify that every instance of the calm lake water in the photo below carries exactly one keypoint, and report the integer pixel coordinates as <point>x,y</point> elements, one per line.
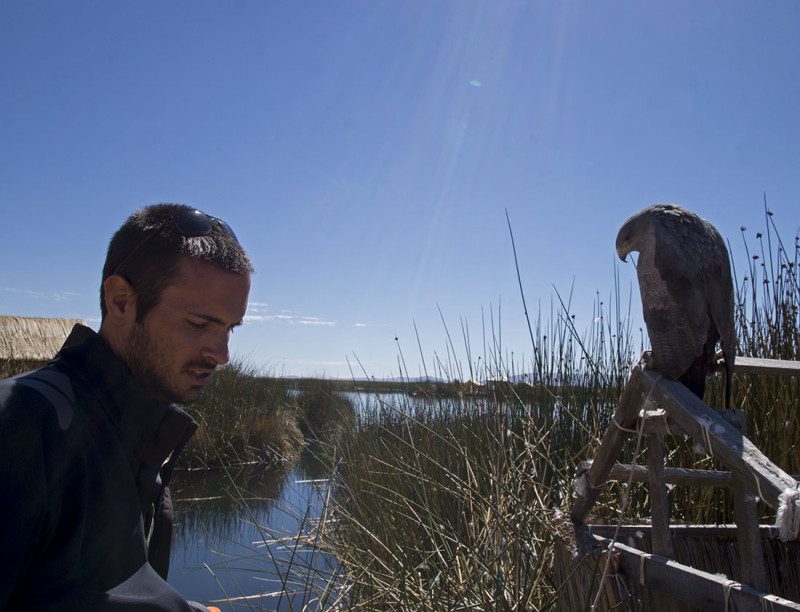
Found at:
<point>224,521</point>
<point>226,527</point>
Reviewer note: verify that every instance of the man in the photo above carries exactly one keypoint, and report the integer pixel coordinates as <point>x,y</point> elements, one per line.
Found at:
<point>88,443</point>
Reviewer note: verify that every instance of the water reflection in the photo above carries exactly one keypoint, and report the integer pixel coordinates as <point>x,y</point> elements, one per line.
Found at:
<point>373,404</point>
<point>236,536</point>
<point>236,530</point>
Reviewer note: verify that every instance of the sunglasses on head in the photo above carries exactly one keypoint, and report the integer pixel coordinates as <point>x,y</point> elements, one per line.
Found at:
<point>191,223</point>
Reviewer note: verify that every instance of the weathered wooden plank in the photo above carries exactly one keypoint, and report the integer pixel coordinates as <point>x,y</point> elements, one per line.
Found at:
<point>736,451</point>
<point>659,502</point>
<point>589,484</point>
<point>776,367</point>
<point>674,476</point>
<point>768,532</point>
<point>752,564</point>
<point>659,510</point>
<point>657,421</point>
<point>707,591</point>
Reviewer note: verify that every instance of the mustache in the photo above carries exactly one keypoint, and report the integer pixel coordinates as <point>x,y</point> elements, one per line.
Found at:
<point>202,364</point>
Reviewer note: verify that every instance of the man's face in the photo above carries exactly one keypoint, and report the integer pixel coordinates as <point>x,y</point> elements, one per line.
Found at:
<point>183,339</point>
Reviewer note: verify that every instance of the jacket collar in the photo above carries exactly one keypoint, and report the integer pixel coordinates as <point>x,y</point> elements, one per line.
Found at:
<point>150,430</point>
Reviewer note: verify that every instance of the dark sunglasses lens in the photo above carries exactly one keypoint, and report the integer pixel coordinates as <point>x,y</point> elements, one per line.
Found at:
<point>192,222</point>
<point>226,227</point>
<point>196,223</point>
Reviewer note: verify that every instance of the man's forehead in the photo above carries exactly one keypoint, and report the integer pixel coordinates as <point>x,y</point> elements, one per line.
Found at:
<point>193,271</point>
<point>207,290</point>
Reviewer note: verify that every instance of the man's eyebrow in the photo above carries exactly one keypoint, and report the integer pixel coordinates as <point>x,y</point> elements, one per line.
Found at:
<point>216,320</point>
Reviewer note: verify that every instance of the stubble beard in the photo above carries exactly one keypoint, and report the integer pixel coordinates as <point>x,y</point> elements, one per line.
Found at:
<point>150,367</point>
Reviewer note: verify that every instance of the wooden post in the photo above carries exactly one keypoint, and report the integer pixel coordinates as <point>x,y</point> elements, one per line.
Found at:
<point>659,502</point>
<point>591,482</point>
<point>659,509</point>
<point>752,565</point>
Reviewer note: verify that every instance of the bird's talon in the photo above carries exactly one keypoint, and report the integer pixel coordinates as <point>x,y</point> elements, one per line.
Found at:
<point>648,361</point>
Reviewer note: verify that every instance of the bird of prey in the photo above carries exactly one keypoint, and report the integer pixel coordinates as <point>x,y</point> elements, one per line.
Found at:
<point>687,292</point>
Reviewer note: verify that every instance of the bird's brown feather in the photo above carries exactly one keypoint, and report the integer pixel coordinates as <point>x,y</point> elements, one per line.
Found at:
<point>687,291</point>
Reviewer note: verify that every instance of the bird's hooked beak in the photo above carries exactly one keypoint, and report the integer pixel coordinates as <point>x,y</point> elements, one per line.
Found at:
<point>622,253</point>
<point>623,247</point>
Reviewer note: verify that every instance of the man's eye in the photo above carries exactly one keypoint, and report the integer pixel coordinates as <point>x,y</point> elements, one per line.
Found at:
<point>194,325</point>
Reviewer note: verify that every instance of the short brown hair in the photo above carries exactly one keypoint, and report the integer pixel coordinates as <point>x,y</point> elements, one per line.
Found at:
<point>146,251</point>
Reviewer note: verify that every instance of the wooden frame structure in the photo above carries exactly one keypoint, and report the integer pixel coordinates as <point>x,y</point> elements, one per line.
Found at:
<point>652,406</point>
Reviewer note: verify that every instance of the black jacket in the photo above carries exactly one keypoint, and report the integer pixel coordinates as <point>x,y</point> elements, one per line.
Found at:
<point>85,518</point>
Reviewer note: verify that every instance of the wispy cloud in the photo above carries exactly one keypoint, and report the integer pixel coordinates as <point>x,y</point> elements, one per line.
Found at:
<point>56,296</point>
<point>258,313</point>
<point>314,321</point>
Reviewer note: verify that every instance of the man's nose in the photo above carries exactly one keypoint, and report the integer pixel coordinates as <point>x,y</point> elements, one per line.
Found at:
<point>217,348</point>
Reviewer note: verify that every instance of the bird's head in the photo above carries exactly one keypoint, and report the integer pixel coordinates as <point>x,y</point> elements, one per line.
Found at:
<point>637,231</point>
<point>628,238</point>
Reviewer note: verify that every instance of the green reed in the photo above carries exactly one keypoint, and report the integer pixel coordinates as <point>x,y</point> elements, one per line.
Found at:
<point>457,505</point>
<point>247,417</point>
<point>244,417</point>
<point>440,511</point>
<point>768,326</point>
<point>448,501</point>
<point>323,411</point>
<point>451,503</point>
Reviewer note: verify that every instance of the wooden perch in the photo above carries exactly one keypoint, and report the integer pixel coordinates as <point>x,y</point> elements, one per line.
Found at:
<point>594,479</point>
<point>672,476</point>
<point>701,589</point>
<point>720,438</point>
<point>775,367</point>
<point>653,406</point>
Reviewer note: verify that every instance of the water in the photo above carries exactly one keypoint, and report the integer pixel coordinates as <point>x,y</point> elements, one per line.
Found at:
<point>372,404</point>
<point>226,527</point>
<point>223,519</point>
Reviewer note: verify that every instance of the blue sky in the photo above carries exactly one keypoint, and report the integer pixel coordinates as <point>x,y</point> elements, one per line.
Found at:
<point>366,154</point>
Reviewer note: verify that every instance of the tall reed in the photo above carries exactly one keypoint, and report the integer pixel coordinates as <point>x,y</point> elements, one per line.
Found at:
<point>456,506</point>
<point>451,504</point>
<point>244,417</point>
<point>444,511</point>
<point>768,326</point>
<point>456,503</point>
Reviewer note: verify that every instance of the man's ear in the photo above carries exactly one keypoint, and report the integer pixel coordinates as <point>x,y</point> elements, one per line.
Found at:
<point>120,300</point>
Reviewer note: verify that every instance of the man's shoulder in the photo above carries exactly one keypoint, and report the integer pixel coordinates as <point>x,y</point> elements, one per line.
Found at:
<point>46,389</point>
